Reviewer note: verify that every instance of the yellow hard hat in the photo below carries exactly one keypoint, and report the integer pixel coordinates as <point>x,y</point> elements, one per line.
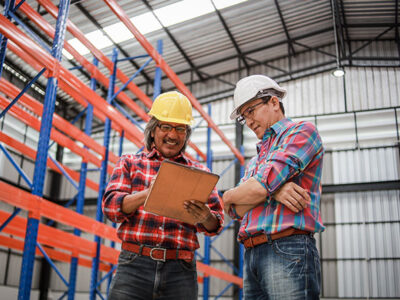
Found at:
<point>172,107</point>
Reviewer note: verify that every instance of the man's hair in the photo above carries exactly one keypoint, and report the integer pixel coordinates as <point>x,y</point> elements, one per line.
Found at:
<point>151,127</point>
<point>281,107</point>
<point>267,98</point>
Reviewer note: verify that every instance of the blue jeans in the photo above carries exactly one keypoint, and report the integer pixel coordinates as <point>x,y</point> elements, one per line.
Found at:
<point>286,268</point>
<point>140,277</point>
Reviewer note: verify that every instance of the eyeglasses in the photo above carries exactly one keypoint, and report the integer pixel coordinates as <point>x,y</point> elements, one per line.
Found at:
<point>180,129</point>
<point>249,112</point>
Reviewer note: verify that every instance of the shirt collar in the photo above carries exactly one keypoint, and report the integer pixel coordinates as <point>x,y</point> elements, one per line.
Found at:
<point>154,153</point>
<point>281,125</point>
<point>274,129</point>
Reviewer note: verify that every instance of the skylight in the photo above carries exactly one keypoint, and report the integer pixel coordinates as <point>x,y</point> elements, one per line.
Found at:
<point>175,13</point>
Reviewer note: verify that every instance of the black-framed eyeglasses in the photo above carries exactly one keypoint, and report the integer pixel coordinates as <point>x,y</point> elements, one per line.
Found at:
<point>180,129</point>
<point>249,112</point>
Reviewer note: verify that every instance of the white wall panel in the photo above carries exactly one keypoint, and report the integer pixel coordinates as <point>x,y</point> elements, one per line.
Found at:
<point>320,94</point>
<point>368,88</point>
<point>368,239</point>
<point>365,165</point>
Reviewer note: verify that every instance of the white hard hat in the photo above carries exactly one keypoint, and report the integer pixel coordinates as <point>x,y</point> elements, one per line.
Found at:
<point>253,87</point>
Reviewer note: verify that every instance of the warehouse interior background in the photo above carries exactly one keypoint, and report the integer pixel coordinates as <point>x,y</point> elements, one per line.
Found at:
<point>201,48</point>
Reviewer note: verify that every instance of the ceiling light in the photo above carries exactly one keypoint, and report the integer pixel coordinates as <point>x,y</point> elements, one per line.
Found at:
<point>338,72</point>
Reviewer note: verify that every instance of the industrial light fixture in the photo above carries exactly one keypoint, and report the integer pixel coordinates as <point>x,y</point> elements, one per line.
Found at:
<point>338,72</point>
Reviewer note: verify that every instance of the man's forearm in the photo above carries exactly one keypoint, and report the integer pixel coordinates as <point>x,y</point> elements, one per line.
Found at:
<point>211,223</point>
<point>250,192</point>
<point>132,202</point>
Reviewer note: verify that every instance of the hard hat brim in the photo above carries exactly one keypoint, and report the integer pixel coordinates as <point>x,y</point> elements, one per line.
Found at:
<point>172,120</point>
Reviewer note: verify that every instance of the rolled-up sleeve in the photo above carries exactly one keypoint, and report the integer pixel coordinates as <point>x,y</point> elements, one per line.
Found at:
<point>299,146</point>
<point>118,187</point>
<point>249,168</point>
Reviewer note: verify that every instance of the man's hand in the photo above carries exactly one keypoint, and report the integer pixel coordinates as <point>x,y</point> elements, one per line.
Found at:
<point>202,214</point>
<point>293,197</point>
<point>198,210</point>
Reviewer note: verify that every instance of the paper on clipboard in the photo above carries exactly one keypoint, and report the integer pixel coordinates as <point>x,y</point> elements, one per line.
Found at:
<point>176,183</point>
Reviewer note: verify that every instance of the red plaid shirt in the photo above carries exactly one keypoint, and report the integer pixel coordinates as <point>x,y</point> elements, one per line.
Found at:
<point>132,174</point>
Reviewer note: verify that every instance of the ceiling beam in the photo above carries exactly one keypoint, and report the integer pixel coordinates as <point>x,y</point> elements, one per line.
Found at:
<point>123,52</point>
<point>288,38</point>
<point>340,32</point>
<point>397,37</point>
<point>263,48</point>
<point>346,32</point>
<point>235,44</point>
<point>372,40</point>
<point>177,45</point>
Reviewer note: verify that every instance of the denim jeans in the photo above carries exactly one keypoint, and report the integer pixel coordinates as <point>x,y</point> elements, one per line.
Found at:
<point>140,277</point>
<point>286,268</point>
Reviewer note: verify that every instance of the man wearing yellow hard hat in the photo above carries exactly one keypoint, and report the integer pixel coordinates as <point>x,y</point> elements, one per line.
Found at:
<point>157,256</point>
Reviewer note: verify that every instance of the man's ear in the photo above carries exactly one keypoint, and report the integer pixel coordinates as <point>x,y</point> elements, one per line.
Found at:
<point>275,103</point>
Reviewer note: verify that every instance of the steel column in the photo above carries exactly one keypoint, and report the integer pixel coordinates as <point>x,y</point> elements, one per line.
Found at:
<point>81,191</point>
<point>112,245</point>
<point>3,40</point>
<point>41,158</point>
<point>241,247</point>
<point>158,73</point>
<point>103,178</point>
<point>207,240</point>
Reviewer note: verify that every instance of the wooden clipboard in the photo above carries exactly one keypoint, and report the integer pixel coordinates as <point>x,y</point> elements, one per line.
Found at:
<point>176,183</point>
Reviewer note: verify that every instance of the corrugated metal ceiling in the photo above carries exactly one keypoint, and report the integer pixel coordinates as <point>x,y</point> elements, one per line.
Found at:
<point>262,30</point>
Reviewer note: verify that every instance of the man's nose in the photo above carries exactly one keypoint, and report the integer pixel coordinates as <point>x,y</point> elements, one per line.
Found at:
<point>172,133</point>
<point>249,121</point>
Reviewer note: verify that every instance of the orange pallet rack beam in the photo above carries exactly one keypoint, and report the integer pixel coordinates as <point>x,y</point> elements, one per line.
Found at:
<point>35,106</point>
<point>69,80</point>
<point>31,153</point>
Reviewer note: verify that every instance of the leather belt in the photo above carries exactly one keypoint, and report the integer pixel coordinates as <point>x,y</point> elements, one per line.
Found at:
<point>263,238</point>
<point>159,254</point>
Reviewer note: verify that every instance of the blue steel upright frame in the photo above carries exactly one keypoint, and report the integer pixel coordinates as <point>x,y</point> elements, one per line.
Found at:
<point>158,73</point>
<point>8,5</point>
<point>81,192</point>
<point>207,240</point>
<point>41,158</point>
<point>103,179</point>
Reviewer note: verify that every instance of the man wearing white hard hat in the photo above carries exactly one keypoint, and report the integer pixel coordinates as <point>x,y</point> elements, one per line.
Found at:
<point>278,198</point>
<point>157,256</point>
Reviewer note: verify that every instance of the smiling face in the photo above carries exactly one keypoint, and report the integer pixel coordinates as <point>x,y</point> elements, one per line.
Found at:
<point>260,117</point>
<point>169,140</point>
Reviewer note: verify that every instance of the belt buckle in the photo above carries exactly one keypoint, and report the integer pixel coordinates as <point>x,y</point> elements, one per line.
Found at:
<point>163,259</point>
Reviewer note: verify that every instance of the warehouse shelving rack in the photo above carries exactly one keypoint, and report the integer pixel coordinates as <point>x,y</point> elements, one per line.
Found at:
<point>37,234</point>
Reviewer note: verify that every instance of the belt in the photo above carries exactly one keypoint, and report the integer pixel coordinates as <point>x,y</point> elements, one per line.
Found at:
<point>263,238</point>
<point>159,254</point>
